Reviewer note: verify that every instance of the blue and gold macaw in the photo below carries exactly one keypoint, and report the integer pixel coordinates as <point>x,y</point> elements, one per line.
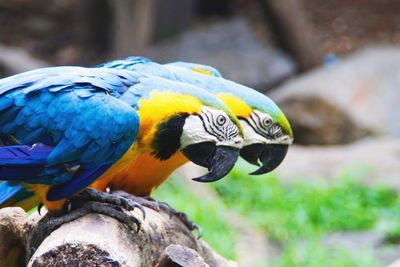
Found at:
<point>65,127</point>
<point>267,132</point>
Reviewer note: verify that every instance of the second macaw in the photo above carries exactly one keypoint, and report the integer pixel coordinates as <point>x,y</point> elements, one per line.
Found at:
<point>267,132</point>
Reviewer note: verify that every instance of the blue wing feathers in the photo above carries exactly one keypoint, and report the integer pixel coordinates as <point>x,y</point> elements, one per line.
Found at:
<point>21,161</point>
<point>24,155</point>
<point>76,112</point>
<point>5,103</point>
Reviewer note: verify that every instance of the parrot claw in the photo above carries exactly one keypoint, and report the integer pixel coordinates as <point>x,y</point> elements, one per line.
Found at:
<point>39,208</point>
<point>146,201</point>
<point>114,201</point>
<point>91,194</point>
<point>186,221</point>
<point>141,208</point>
<point>53,220</point>
<point>155,205</point>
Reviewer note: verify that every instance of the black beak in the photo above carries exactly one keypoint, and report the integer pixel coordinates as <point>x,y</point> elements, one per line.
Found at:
<point>218,159</point>
<point>252,153</point>
<point>269,155</point>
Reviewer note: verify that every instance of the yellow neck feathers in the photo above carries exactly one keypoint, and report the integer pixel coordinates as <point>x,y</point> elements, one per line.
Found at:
<point>237,105</point>
<point>160,106</point>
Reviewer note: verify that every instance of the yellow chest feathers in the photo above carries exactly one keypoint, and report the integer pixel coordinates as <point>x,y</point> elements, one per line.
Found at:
<point>158,107</point>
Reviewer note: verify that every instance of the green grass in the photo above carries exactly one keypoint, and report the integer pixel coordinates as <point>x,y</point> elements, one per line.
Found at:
<point>296,216</point>
<point>304,209</point>
<point>314,254</point>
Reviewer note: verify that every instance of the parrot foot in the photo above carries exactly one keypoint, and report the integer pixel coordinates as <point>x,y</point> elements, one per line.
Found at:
<point>83,203</point>
<point>153,204</point>
<point>90,194</point>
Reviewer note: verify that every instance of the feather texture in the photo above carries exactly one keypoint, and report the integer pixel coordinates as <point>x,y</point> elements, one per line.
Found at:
<point>72,111</point>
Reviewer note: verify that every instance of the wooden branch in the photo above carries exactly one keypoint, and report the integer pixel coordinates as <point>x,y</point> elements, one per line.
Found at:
<point>101,240</point>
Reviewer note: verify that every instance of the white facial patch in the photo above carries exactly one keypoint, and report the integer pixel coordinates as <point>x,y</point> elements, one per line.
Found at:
<point>250,136</point>
<point>211,125</point>
<point>260,128</point>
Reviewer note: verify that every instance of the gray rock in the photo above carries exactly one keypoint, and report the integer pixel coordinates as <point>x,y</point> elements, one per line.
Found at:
<point>12,227</point>
<point>395,263</point>
<point>373,160</point>
<point>364,85</point>
<point>316,121</point>
<point>232,47</point>
<point>176,255</point>
<point>369,241</point>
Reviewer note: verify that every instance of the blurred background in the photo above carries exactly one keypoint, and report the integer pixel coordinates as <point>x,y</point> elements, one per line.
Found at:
<point>334,68</point>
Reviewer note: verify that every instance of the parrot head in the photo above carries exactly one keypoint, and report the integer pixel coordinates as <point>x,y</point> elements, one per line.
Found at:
<point>267,132</point>
<point>267,138</point>
<point>191,121</point>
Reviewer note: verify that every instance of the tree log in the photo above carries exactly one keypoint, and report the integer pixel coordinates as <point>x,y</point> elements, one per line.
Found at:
<point>101,240</point>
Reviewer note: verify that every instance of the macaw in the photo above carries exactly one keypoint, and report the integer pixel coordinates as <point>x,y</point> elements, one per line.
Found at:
<point>66,127</point>
<point>267,132</point>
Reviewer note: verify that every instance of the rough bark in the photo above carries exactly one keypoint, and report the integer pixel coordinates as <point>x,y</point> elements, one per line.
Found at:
<point>97,239</point>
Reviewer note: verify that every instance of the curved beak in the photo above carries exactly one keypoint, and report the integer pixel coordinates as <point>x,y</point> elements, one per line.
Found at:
<point>270,156</point>
<point>252,153</point>
<point>218,159</point>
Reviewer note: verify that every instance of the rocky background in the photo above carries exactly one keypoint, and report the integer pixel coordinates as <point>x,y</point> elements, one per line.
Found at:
<point>333,66</point>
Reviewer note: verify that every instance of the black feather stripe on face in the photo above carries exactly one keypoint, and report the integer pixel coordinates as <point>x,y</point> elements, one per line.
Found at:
<point>226,130</point>
<point>167,139</point>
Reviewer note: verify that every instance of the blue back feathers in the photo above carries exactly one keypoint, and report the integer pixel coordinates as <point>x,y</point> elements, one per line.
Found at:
<point>182,71</point>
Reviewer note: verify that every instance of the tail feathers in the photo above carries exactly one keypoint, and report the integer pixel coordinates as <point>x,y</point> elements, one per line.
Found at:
<point>10,194</point>
<point>17,195</point>
<point>7,191</point>
<point>23,173</point>
<point>23,155</point>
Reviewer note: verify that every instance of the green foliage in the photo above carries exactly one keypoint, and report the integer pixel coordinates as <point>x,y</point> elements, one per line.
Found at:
<point>303,209</point>
<point>206,213</point>
<point>389,222</point>
<point>315,254</point>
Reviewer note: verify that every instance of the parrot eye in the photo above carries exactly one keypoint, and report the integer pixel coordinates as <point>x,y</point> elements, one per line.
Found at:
<point>267,122</point>
<point>221,120</point>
